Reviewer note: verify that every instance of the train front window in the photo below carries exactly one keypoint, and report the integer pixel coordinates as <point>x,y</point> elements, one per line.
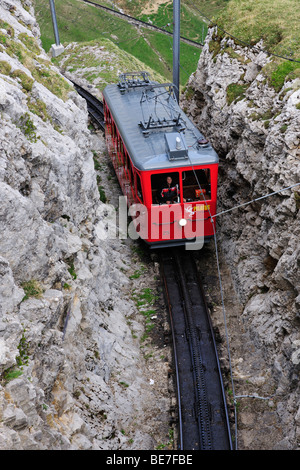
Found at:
<point>196,185</point>
<point>165,188</point>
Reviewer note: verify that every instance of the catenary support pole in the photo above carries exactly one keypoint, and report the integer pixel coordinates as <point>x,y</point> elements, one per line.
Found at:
<point>56,48</point>
<point>54,22</point>
<point>176,45</point>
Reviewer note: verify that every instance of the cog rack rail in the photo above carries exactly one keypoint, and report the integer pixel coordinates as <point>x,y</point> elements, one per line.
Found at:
<point>203,422</point>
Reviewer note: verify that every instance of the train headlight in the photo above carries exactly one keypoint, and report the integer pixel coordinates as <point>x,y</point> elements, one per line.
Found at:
<point>182,222</point>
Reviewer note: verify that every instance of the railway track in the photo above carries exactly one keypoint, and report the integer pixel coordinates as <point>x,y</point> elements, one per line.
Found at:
<point>202,416</point>
<point>95,106</point>
<point>203,422</point>
<point>142,23</point>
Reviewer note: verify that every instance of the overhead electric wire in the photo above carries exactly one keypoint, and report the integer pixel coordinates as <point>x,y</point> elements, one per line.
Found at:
<point>256,199</point>
<point>143,23</point>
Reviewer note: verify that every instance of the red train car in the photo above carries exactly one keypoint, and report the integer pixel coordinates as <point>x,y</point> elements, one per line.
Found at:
<point>166,169</point>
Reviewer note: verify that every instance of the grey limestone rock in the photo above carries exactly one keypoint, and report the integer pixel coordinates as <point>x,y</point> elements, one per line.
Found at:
<point>257,137</point>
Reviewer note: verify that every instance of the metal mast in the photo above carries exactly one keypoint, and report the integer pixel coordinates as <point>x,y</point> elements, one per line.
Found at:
<point>57,48</point>
<point>54,22</point>
<point>176,45</point>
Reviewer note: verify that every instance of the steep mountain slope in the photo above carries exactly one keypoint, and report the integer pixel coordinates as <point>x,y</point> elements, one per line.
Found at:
<point>89,23</point>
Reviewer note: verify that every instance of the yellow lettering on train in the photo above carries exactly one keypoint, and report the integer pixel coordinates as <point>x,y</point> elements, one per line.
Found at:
<point>202,207</point>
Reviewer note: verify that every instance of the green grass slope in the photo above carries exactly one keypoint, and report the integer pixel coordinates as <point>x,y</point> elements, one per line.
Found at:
<point>276,22</point>
<point>80,22</point>
<point>99,62</point>
<point>138,7</point>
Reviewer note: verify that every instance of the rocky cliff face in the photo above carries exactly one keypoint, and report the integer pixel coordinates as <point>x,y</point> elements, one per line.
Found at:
<point>73,375</point>
<point>255,129</point>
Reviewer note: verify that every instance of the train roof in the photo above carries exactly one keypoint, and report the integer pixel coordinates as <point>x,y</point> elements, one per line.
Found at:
<point>155,131</point>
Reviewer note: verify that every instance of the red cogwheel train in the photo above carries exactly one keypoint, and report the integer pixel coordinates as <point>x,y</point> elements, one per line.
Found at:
<point>167,170</point>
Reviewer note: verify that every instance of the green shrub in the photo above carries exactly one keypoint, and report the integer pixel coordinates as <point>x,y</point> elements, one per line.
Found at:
<point>53,81</point>
<point>286,70</point>
<point>26,81</point>
<point>102,194</point>
<point>9,29</point>
<point>72,270</point>
<point>30,43</point>
<point>5,67</point>
<point>297,199</point>
<point>38,107</point>
<point>235,92</point>
<point>23,348</point>
<point>27,127</point>
<point>283,128</point>
<point>3,39</point>
<point>32,289</point>
<point>11,374</point>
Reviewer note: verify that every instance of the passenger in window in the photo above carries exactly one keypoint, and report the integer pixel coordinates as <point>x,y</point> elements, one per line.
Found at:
<point>169,192</point>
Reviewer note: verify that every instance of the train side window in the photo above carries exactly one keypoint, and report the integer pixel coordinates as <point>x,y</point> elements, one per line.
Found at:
<point>139,191</point>
<point>129,168</point>
<point>131,173</point>
<point>120,151</point>
<point>107,115</point>
<point>114,131</point>
<point>126,162</point>
<point>196,185</point>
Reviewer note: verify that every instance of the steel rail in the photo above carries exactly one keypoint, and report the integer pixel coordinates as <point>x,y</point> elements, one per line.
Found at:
<point>175,358</point>
<point>95,106</point>
<point>202,410</point>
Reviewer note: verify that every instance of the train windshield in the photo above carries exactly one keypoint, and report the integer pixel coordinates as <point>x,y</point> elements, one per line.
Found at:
<point>195,186</point>
<point>165,188</point>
